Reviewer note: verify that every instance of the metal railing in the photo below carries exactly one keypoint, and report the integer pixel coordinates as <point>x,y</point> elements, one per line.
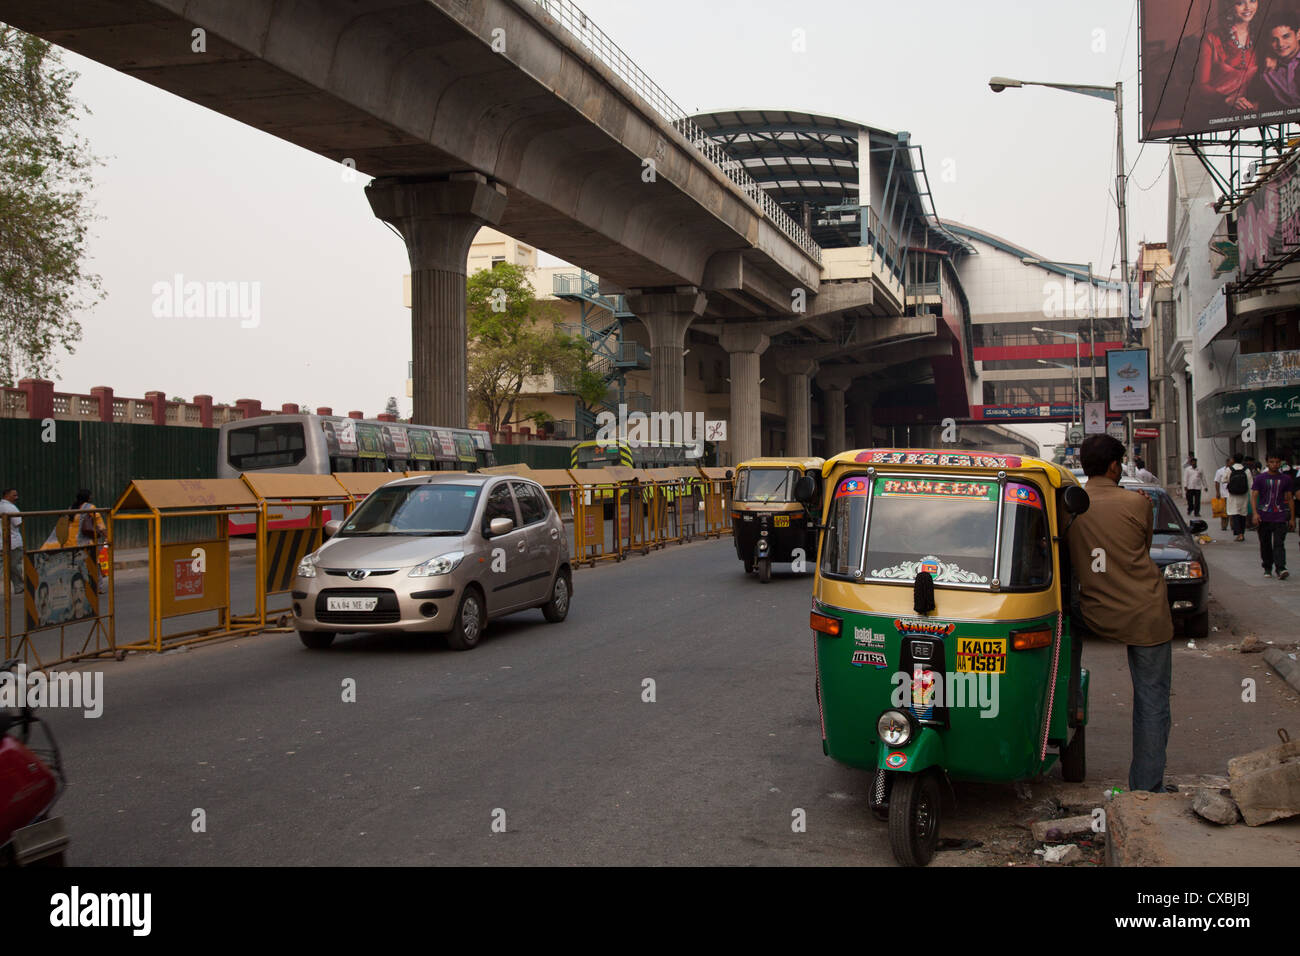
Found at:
<point>579,25</point>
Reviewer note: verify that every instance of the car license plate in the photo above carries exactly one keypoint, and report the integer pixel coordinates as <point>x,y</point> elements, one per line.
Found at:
<point>351,604</point>
<point>977,655</point>
<point>782,521</point>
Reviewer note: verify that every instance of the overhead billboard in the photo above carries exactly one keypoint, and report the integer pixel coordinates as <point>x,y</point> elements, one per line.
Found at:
<point>1211,65</point>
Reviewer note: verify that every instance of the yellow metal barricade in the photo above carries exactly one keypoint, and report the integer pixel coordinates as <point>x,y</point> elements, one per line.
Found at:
<point>595,538</point>
<point>191,576</point>
<point>717,501</point>
<point>304,499</point>
<point>62,587</point>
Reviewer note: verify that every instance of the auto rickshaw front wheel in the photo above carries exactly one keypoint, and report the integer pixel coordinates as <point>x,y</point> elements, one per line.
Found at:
<point>914,803</point>
<point>765,569</point>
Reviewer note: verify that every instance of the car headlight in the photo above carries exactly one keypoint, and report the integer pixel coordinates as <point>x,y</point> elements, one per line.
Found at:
<point>442,564</point>
<point>894,728</point>
<point>307,566</point>
<point>1184,570</point>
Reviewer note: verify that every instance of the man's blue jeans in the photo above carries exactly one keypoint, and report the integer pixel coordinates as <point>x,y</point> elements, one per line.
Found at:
<point>1152,671</point>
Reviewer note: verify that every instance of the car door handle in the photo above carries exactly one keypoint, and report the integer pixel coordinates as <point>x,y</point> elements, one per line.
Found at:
<point>554,534</point>
<point>521,545</point>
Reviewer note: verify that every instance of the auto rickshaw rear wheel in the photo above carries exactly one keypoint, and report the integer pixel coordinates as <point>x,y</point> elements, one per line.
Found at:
<point>749,565</point>
<point>914,804</point>
<point>765,569</point>
<point>1074,762</point>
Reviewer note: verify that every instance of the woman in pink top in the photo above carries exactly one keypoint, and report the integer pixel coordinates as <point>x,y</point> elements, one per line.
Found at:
<point>1228,64</point>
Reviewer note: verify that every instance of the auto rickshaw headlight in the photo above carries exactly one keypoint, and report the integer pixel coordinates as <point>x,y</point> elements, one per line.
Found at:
<point>895,728</point>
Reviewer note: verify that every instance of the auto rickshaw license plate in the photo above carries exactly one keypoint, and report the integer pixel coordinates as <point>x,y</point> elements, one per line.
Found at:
<point>781,521</point>
<point>977,655</point>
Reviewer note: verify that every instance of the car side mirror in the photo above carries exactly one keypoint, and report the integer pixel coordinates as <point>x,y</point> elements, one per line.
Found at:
<point>500,526</point>
<point>1198,526</point>
<point>332,527</point>
<point>805,490</point>
<point>1076,500</point>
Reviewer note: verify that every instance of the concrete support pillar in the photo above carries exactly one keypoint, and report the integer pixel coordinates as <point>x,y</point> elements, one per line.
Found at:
<point>745,345</point>
<point>438,220</point>
<point>666,316</point>
<point>798,408</point>
<point>834,385</point>
<point>860,402</point>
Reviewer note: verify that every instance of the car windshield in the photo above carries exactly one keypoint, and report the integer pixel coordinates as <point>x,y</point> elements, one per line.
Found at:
<point>766,484</point>
<point>428,509</point>
<point>1164,516</point>
<point>947,527</point>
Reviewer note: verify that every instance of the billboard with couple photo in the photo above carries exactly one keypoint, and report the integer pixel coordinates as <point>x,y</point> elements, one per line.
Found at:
<point>1211,65</point>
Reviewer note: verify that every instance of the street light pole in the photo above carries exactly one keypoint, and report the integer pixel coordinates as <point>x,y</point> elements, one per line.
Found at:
<point>1092,336</point>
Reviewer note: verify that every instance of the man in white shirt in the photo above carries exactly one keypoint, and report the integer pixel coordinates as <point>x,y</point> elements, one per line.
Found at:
<point>1143,474</point>
<point>9,505</point>
<point>1221,490</point>
<point>1193,484</point>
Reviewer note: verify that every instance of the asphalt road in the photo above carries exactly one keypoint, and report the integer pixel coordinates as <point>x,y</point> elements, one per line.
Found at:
<point>544,722</point>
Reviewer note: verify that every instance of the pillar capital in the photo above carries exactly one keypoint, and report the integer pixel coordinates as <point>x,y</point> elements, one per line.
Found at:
<point>743,338</point>
<point>437,218</point>
<point>833,379</point>
<point>797,366</point>
<point>667,314</point>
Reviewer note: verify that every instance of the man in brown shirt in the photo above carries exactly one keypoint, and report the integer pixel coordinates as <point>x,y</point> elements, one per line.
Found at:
<point>1123,598</point>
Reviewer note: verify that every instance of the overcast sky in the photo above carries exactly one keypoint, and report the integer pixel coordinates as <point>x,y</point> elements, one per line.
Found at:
<point>187,191</point>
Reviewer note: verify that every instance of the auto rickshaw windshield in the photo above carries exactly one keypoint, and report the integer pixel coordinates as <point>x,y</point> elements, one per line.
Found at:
<point>766,484</point>
<point>948,527</point>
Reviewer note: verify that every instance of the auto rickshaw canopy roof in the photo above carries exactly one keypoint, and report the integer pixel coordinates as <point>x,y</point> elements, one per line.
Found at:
<point>956,460</point>
<point>803,464</point>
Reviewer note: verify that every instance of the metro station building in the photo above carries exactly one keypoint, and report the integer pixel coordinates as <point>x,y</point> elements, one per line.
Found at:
<point>945,329</point>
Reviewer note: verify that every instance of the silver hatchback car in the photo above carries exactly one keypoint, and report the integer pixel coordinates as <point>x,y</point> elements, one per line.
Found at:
<point>436,555</point>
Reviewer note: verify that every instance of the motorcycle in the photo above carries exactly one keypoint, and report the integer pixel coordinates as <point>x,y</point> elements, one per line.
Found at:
<point>31,782</point>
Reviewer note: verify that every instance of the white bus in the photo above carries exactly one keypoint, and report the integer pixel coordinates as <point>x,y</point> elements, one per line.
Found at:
<point>321,444</point>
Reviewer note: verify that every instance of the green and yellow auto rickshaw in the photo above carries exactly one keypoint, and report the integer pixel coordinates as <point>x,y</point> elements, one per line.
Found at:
<point>942,626</point>
<point>767,523</point>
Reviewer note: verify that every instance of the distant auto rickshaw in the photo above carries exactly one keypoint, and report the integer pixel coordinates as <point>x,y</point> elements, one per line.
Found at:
<point>768,524</point>
<point>942,626</point>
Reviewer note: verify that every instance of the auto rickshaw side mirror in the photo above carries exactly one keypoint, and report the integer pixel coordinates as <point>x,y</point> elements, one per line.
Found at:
<point>729,474</point>
<point>805,490</point>
<point>1076,500</point>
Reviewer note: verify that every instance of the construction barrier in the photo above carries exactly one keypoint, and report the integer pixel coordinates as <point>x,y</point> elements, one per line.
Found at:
<point>279,551</point>
<point>63,586</point>
<point>188,577</point>
<point>593,538</point>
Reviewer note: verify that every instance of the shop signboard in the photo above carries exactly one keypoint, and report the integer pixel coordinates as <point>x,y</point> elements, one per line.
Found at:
<point>1268,221</point>
<point>1128,380</point>
<point>1227,412</point>
<point>1264,369</point>
<point>1212,320</point>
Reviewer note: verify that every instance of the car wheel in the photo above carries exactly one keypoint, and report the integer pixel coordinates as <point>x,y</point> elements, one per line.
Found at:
<point>467,630</point>
<point>316,640</point>
<point>1196,626</point>
<point>557,608</point>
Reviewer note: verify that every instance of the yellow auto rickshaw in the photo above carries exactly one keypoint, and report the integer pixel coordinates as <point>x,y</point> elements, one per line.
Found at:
<point>943,633</point>
<point>768,524</point>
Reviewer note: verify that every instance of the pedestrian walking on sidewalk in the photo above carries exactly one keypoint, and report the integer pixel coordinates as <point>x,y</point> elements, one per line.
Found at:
<point>1238,488</point>
<point>1221,490</point>
<point>1274,500</point>
<point>1122,597</point>
<point>1193,484</point>
<point>9,505</point>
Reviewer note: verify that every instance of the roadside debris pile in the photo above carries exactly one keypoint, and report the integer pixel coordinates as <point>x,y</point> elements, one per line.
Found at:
<point>1262,786</point>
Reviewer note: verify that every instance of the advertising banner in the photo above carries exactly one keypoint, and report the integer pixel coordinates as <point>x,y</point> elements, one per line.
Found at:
<point>1209,65</point>
<point>1212,320</point>
<point>1094,418</point>
<point>1268,221</point>
<point>62,579</point>
<point>1128,378</point>
<point>1226,413</point>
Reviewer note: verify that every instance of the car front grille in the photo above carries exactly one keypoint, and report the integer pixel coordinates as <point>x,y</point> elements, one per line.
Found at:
<point>385,612</point>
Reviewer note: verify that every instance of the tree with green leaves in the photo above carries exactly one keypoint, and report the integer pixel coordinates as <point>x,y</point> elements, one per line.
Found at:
<point>45,210</point>
<point>513,337</point>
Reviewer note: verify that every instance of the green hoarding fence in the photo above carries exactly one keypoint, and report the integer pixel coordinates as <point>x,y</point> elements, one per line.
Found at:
<point>533,454</point>
<point>48,464</point>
